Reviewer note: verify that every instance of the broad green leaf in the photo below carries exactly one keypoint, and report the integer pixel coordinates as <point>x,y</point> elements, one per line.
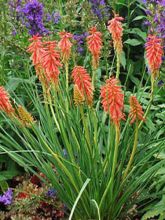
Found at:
<point>137,31</point>
<point>133,42</point>
<point>140,17</point>
<point>123,59</point>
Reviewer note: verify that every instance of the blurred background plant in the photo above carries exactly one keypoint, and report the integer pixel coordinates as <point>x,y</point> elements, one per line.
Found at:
<point>31,198</point>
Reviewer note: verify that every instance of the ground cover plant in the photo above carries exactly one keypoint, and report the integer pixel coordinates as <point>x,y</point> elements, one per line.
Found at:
<point>87,115</point>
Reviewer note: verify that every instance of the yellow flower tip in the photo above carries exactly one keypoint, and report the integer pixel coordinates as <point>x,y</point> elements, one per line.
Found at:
<point>78,96</point>
<point>24,116</point>
<point>136,112</point>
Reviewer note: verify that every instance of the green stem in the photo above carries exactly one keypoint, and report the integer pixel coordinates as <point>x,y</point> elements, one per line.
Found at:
<point>53,113</point>
<point>87,136</point>
<point>118,66</point>
<point>67,76</point>
<point>45,94</point>
<point>133,152</point>
<point>150,101</point>
<point>60,7</point>
<point>117,139</point>
<point>114,5</point>
<point>93,78</point>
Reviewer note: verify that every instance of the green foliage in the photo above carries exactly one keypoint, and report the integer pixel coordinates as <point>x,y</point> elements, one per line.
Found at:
<point>88,138</point>
<point>84,174</point>
<point>156,206</point>
<point>8,169</point>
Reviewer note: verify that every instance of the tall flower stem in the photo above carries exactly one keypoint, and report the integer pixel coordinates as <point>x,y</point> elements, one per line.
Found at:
<point>52,110</point>
<point>60,7</point>
<point>133,151</point>
<point>93,77</point>
<point>150,101</point>
<point>86,130</point>
<point>118,66</point>
<point>114,4</point>
<point>117,139</point>
<point>45,93</point>
<point>67,77</point>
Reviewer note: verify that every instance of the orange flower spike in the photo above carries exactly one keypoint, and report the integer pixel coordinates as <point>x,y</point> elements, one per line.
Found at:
<point>115,28</point>
<point>36,49</point>
<point>113,100</point>
<point>136,112</point>
<point>51,62</point>
<point>83,81</point>
<point>154,54</point>
<point>5,104</point>
<point>65,45</point>
<point>94,42</point>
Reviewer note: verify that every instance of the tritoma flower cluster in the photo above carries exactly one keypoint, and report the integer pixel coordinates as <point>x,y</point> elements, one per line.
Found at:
<point>98,173</point>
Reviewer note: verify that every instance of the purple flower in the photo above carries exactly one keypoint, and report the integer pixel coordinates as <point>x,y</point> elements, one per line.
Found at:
<point>160,83</point>
<point>80,40</point>
<point>100,9</point>
<point>33,11</point>
<point>51,193</point>
<point>155,16</point>
<point>163,3</point>
<point>6,198</point>
<point>14,32</point>
<point>56,17</point>
<point>15,9</point>
<point>48,17</point>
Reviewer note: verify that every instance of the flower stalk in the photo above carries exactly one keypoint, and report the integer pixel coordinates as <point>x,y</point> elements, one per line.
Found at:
<point>117,140</point>
<point>133,151</point>
<point>67,76</point>
<point>86,130</point>
<point>118,66</point>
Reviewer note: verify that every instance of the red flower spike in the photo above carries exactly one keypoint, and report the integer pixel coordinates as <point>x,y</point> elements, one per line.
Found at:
<point>65,45</point>
<point>94,42</point>
<point>115,28</point>
<point>136,112</point>
<point>83,81</point>
<point>50,62</point>
<point>154,53</point>
<point>113,100</point>
<point>5,104</point>
<point>36,49</point>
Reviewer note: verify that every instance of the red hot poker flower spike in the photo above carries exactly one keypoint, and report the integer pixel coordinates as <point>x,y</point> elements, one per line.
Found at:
<point>136,112</point>
<point>113,100</point>
<point>115,28</point>
<point>94,42</point>
<point>51,62</point>
<point>83,81</point>
<point>154,54</point>
<point>36,49</point>
<point>5,104</point>
<point>65,45</point>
